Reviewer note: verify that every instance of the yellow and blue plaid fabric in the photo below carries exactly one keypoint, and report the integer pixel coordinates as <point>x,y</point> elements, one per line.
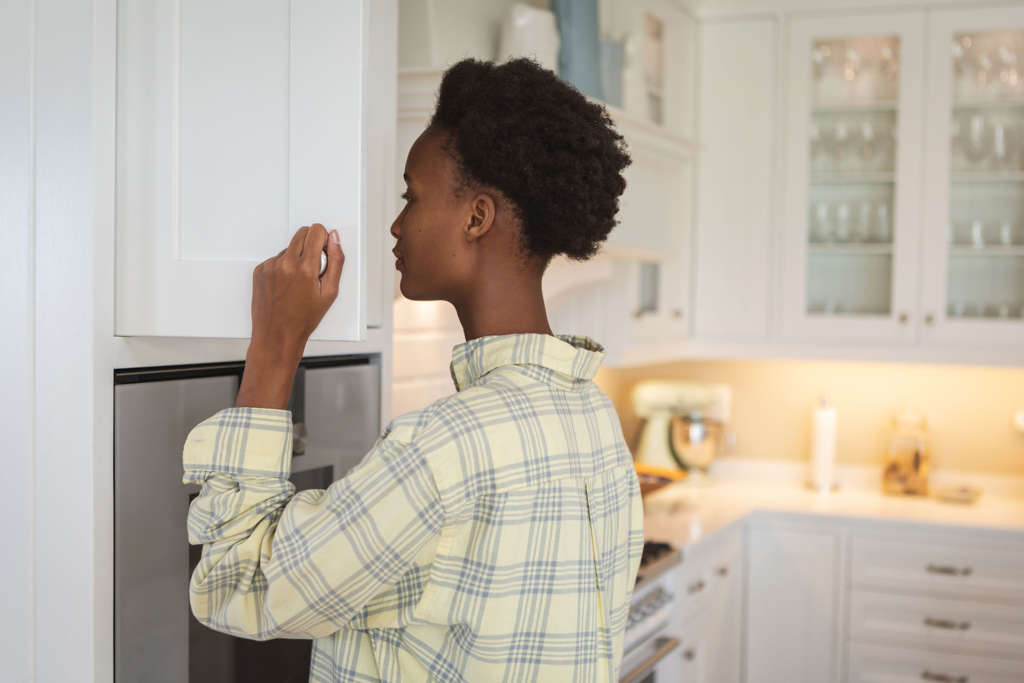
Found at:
<point>494,535</point>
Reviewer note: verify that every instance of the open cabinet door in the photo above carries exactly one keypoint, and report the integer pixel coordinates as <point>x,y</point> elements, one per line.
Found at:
<point>237,124</point>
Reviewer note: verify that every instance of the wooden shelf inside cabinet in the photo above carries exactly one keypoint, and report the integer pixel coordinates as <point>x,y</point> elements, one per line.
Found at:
<point>855,107</point>
<point>992,250</point>
<point>852,177</point>
<point>988,177</point>
<point>988,103</point>
<point>853,248</point>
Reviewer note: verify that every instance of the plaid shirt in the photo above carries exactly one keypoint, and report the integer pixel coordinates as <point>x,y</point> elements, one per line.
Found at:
<point>494,535</point>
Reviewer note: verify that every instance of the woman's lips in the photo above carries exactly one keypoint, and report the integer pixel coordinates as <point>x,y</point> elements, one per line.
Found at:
<point>399,264</point>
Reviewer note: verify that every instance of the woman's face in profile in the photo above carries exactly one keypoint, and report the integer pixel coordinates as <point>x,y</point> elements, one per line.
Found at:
<point>429,226</point>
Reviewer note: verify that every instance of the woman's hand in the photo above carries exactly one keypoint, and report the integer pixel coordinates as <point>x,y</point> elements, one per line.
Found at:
<point>289,299</point>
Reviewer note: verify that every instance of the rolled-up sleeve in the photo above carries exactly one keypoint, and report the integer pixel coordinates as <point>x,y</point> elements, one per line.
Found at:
<point>281,564</point>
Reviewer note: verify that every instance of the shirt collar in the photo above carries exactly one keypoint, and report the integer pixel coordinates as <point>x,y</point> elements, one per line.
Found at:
<point>577,356</point>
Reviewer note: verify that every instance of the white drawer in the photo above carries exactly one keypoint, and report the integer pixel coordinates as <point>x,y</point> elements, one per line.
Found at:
<point>707,574</point>
<point>953,569</point>
<point>947,624</point>
<point>878,664</point>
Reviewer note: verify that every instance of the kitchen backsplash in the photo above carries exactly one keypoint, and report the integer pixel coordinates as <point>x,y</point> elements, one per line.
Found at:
<point>969,408</point>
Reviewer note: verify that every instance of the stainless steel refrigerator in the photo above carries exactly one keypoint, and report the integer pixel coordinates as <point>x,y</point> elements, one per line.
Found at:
<point>335,404</point>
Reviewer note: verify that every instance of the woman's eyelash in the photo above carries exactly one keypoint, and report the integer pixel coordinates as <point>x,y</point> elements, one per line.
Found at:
<point>405,196</point>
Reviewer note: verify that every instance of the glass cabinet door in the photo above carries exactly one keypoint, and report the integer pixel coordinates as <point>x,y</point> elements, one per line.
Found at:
<point>974,250</point>
<point>853,136</point>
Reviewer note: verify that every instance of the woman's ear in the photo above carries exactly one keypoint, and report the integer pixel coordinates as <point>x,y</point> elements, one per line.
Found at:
<point>481,216</point>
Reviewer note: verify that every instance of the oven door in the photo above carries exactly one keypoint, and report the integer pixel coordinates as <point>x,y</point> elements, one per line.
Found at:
<point>335,406</point>
<point>656,660</point>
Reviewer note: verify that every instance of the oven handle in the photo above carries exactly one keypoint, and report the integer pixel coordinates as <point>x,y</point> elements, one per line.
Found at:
<point>665,645</point>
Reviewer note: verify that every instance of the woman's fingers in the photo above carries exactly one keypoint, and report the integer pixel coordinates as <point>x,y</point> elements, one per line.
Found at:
<point>330,282</point>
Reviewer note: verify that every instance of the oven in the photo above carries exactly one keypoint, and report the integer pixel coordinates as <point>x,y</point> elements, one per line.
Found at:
<point>651,648</point>
<point>335,404</point>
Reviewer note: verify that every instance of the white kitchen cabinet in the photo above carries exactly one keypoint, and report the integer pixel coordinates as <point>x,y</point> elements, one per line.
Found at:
<point>732,255</point>
<point>709,614</point>
<point>973,286</point>
<point>852,214</point>
<point>227,143</point>
<point>791,603</point>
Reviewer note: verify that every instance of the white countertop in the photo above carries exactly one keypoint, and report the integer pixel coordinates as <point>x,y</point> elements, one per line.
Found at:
<point>683,513</point>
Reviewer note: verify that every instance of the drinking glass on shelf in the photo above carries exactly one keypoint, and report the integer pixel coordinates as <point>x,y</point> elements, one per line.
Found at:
<point>868,143</point>
<point>851,66</point>
<point>1002,144</point>
<point>1009,77</point>
<point>822,227</point>
<point>1006,233</point>
<point>862,230</point>
<point>843,222</point>
<point>966,83</point>
<point>1003,310</point>
<point>889,72</point>
<point>978,139</point>
<point>983,74</point>
<point>977,234</point>
<point>832,307</point>
<point>956,309</point>
<point>840,141</point>
<point>882,227</point>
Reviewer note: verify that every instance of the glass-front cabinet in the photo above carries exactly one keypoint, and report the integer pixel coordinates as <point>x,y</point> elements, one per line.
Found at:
<point>973,283</point>
<point>853,142</point>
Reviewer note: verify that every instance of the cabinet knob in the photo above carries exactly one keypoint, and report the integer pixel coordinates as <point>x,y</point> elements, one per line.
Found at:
<point>904,318</point>
<point>723,570</point>
<point>927,675</point>
<point>677,313</point>
<point>929,319</point>
<point>696,587</point>
<point>689,654</point>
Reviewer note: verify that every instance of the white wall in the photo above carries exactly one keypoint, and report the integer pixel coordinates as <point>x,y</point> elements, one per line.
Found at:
<point>425,332</point>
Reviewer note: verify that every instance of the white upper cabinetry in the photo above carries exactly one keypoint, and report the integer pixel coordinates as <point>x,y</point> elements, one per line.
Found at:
<point>227,143</point>
<point>853,166</point>
<point>973,287</point>
<point>736,185</point>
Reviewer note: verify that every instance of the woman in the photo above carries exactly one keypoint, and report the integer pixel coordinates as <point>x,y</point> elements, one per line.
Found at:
<point>496,533</point>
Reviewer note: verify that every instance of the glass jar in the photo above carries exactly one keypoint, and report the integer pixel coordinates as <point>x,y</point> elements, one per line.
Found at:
<point>908,459</point>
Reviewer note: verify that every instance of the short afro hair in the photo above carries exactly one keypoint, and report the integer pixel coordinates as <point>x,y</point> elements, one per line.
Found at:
<point>520,129</point>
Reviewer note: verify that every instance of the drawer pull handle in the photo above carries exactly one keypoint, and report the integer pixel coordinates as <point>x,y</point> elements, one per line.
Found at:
<point>722,571</point>
<point>695,587</point>
<point>688,654</point>
<point>947,624</point>
<point>948,570</point>
<point>927,675</point>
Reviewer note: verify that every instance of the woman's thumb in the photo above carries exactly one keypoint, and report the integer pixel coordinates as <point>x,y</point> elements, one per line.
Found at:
<point>335,260</point>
